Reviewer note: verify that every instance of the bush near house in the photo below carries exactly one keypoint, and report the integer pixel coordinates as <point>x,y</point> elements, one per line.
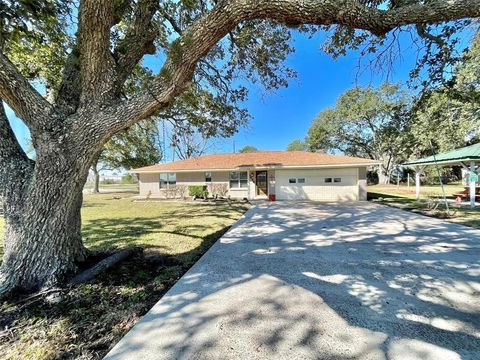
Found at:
<point>199,191</point>
<point>218,190</point>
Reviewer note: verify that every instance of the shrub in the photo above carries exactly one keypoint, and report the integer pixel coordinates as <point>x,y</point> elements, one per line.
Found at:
<point>218,190</point>
<point>129,179</point>
<point>181,191</point>
<point>198,191</point>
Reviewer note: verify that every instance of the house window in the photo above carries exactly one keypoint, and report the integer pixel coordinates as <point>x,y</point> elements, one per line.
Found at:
<point>337,180</point>
<point>301,180</point>
<point>238,179</point>
<point>292,181</point>
<point>208,176</point>
<point>167,180</point>
<point>327,180</point>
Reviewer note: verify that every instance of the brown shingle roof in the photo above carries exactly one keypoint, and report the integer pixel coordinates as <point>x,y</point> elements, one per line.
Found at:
<point>256,160</point>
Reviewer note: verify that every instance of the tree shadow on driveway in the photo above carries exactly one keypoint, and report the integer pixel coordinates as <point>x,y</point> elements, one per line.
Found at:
<point>329,281</point>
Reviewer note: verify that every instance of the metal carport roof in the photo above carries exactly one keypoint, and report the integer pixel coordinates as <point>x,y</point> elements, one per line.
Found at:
<point>457,156</point>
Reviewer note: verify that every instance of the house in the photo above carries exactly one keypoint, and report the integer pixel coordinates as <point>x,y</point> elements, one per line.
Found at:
<point>289,175</point>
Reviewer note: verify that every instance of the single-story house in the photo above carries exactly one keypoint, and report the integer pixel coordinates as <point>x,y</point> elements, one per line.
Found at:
<point>288,175</point>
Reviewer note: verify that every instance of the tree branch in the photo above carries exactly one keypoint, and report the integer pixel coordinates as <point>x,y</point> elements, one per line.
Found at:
<point>97,66</point>
<point>138,41</point>
<point>196,41</point>
<point>14,163</point>
<point>70,89</point>
<point>171,20</point>
<point>68,96</point>
<point>17,92</point>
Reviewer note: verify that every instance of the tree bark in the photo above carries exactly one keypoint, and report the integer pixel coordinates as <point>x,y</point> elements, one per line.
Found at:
<point>43,240</point>
<point>42,203</point>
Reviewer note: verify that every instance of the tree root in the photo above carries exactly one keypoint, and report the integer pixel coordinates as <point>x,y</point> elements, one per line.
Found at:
<point>103,265</point>
<point>6,287</point>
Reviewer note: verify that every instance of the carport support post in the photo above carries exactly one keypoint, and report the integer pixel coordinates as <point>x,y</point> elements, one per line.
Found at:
<point>472,185</point>
<point>417,183</point>
<point>418,172</point>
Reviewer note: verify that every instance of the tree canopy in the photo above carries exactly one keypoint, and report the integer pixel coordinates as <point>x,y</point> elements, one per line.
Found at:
<point>297,145</point>
<point>133,148</point>
<point>387,124</point>
<point>365,122</point>
<point>248,149</point>
<point>448,116</point>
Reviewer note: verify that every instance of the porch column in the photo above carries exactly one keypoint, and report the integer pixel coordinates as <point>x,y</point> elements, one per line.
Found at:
<point>417,184</point>
<point>472,184</point>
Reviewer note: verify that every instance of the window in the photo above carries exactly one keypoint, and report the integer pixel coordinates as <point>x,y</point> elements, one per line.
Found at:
<point>292,181</point>
<point>208,176</point>
<point>167,180</point>
<point>337,180</point>
<point>327,180</point>
<point>238,179</point>
<point>301,180</point>
<point>243,179</point>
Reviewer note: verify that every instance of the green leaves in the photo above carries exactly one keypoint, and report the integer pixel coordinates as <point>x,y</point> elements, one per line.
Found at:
<point>297,145</point>
<point>449,116</point>
<point>133,148</point>
<point>35,37</point>
<point>365,122</point>
<point>248,149</point>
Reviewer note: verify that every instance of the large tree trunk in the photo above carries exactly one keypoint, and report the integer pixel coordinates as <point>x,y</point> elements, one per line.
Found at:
<point>43,240</point>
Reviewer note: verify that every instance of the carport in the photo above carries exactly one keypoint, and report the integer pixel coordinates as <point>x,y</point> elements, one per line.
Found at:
<point>468,157</point>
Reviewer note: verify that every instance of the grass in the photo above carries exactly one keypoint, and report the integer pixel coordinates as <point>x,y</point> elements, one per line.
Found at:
<point>89,185</point>
<point>402,196</point>
<point>107,187</point>
<point>89,319</point>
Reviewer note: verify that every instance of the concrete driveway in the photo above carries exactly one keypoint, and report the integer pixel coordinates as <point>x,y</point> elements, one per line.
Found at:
<point>322,281</point>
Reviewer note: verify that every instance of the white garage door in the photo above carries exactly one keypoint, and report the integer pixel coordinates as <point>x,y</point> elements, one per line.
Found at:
<point>318,185</point>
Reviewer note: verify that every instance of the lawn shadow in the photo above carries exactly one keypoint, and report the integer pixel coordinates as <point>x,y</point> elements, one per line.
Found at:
<point>95,315</point>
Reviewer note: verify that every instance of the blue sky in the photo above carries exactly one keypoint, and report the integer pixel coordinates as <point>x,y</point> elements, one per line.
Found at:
<point>280,117</point>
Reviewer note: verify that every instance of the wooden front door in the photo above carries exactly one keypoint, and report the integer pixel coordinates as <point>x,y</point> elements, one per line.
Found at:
<point>261,181</point>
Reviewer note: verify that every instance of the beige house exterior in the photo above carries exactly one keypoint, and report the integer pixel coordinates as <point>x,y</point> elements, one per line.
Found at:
<point>276,175</point>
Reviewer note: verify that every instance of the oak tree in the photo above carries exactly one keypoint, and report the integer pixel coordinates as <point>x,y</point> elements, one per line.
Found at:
<point>199,42</point>
<point>366,122</point>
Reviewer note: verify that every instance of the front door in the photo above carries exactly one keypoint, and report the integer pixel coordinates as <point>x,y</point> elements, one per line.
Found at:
<point>261,181</point>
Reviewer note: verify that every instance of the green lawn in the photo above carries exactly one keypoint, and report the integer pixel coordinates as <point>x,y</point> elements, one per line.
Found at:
<point>175,228</point>
<point>425,190</point>
<point>91,318</point>
<point>403,196</point>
